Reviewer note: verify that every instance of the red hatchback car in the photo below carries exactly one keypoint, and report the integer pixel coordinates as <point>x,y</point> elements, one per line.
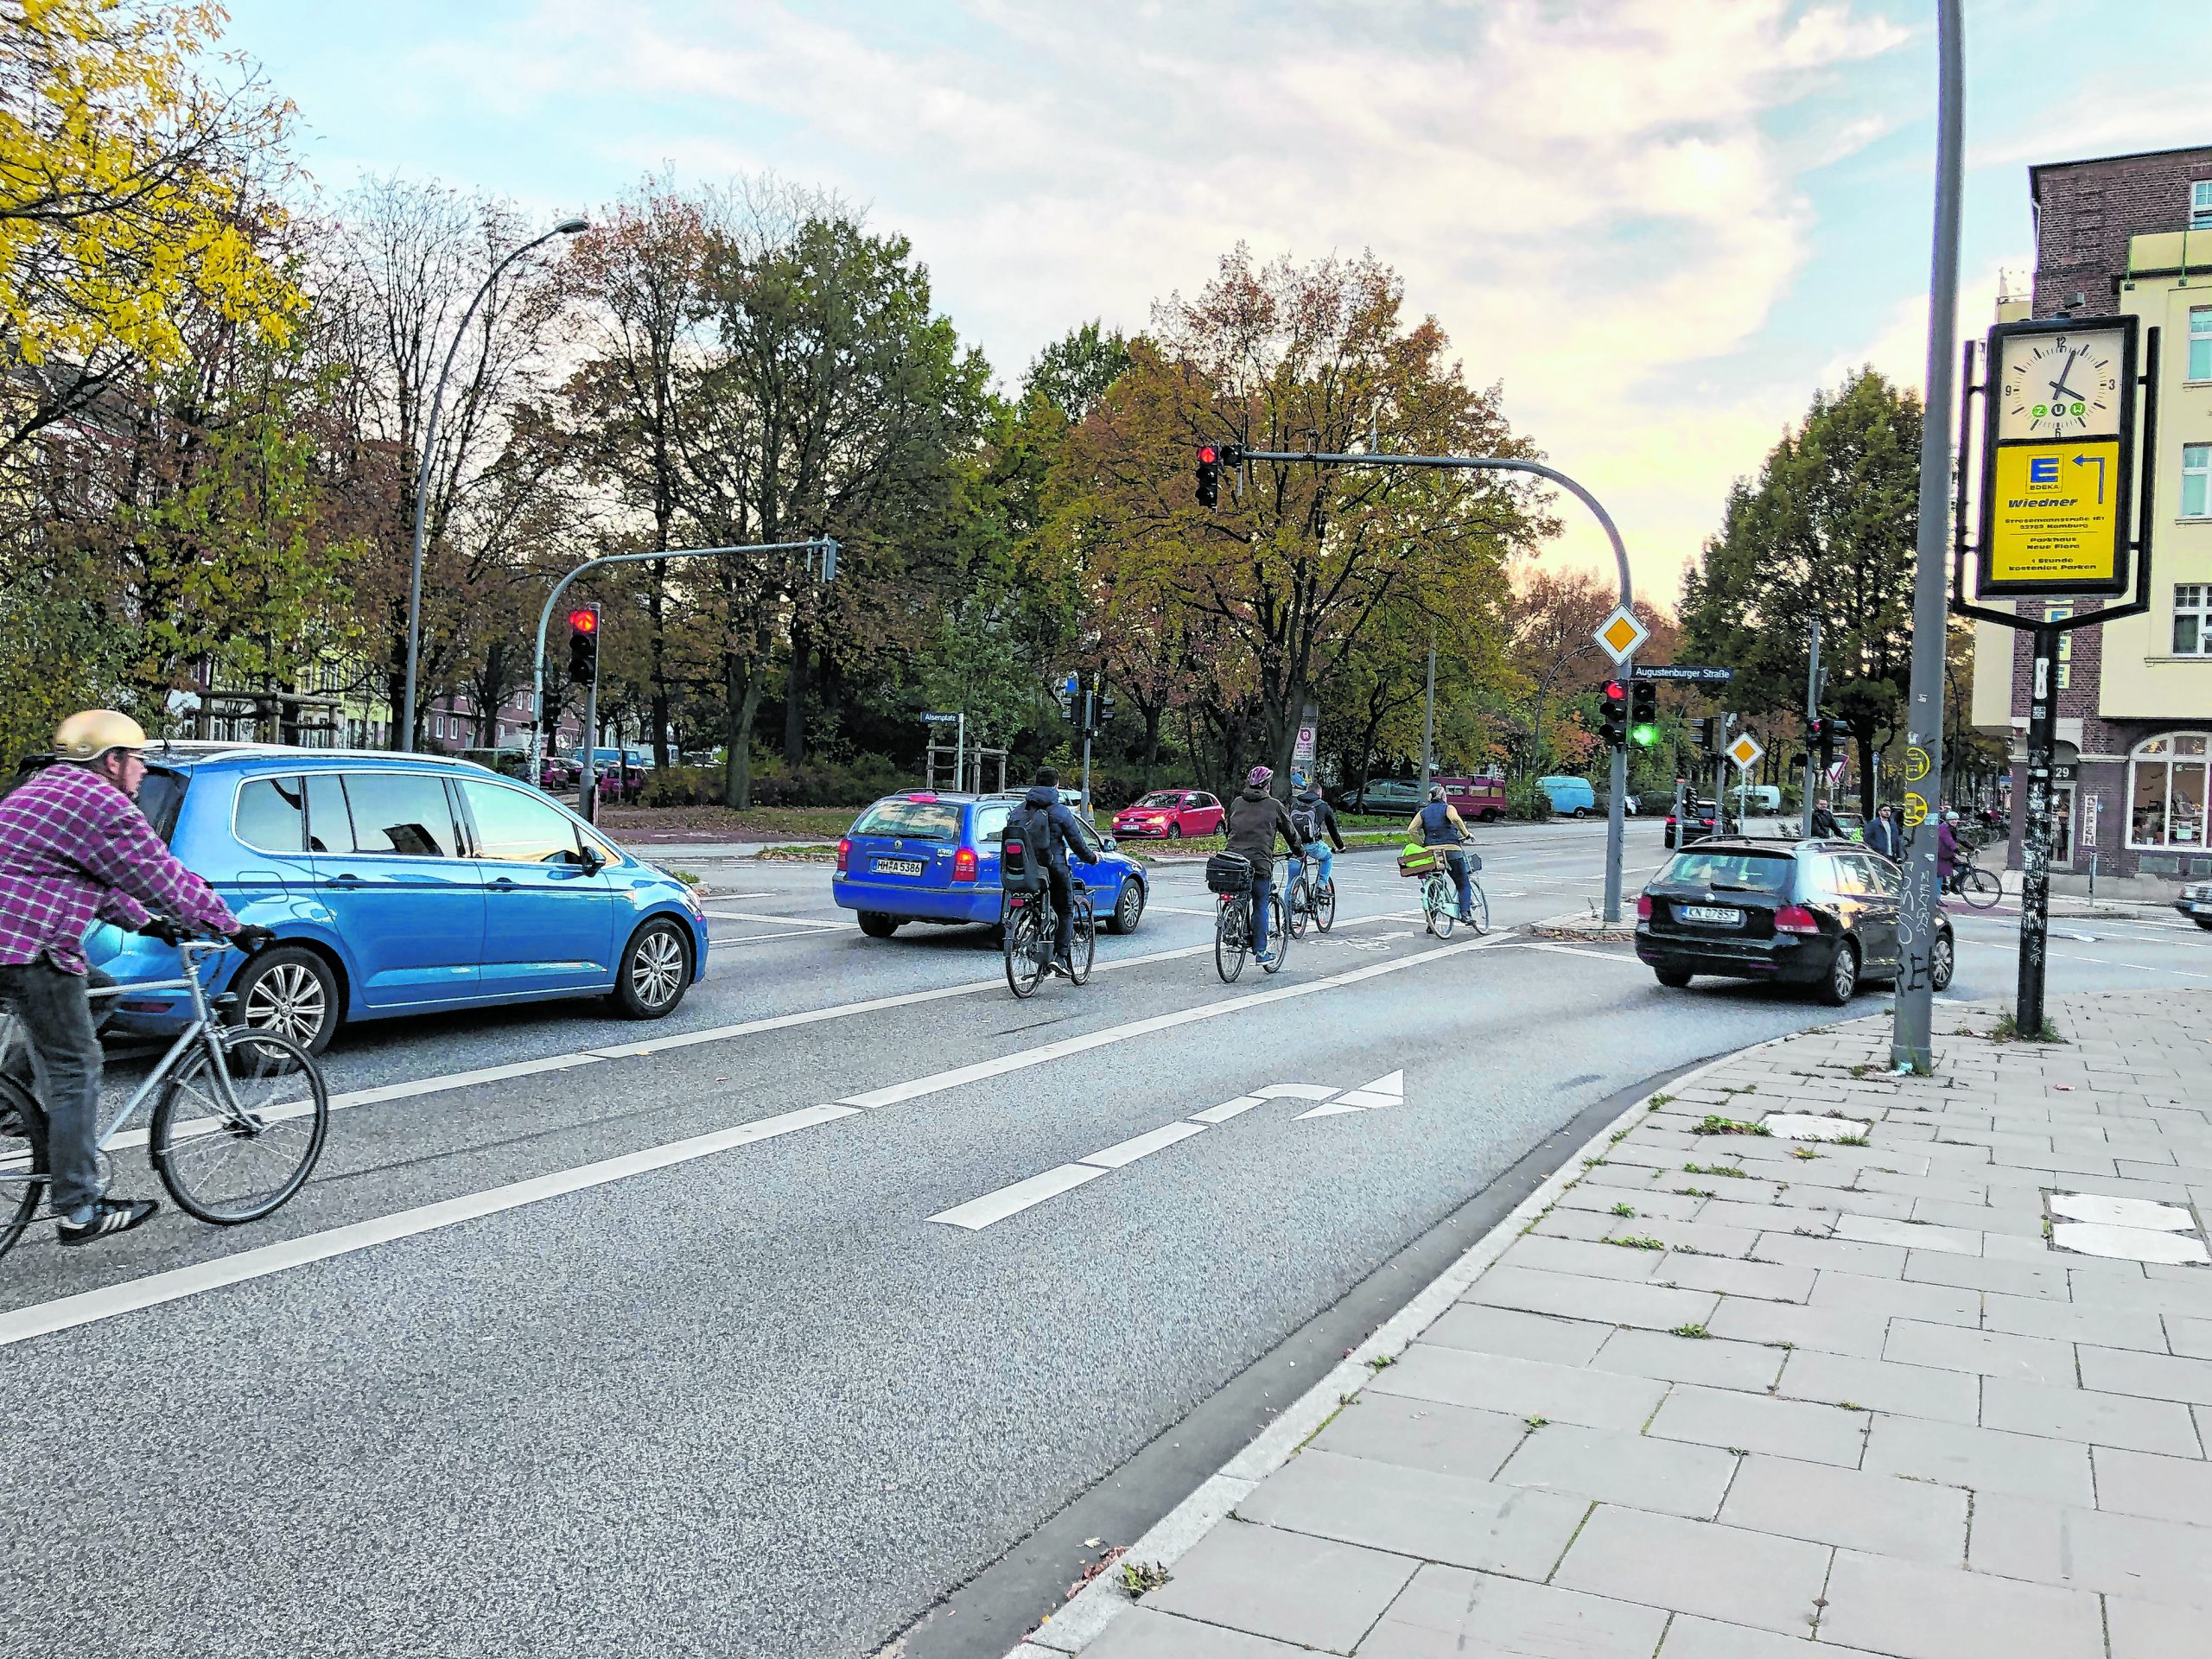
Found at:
<point>1173,813</point>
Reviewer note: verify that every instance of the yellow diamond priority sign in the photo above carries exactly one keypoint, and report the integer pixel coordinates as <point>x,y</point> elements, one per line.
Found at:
<point>1621,633</point>
<point>1746,750</point>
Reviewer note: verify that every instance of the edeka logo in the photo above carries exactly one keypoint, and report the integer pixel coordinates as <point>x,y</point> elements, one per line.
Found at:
<point>2042,473</point>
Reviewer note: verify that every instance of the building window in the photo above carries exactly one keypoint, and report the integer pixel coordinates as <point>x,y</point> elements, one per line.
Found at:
<point>2199,342</point>
<point>2166,791</point>
<point>2200,204</point>
<point>2193,619</point>
<point>2197,480</point>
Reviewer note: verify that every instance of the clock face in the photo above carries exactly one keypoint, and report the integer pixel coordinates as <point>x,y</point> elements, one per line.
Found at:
<point>2064,385</point>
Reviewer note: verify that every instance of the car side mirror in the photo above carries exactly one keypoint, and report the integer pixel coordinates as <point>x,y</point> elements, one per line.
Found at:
<point>592,863</point>
<point>1110,843</point>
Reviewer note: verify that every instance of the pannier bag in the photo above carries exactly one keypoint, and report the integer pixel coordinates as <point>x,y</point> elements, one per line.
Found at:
<point>1416,859</point>
<point>1228,872</point>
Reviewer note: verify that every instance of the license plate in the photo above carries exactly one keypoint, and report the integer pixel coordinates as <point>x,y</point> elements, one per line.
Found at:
<point>897,867</point>
<point>1717,915</point>
<point>2201,910</point>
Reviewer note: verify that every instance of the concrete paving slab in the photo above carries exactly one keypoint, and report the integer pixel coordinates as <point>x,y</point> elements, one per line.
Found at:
<point>1639,1471</point>
<point>1880,1385</point>
<point>1880,1514</point>
<point>1521,1388</point>
<point>1789,1429</point>
<point>2143,1630</point>
<point>1984,1353</point>
<point>1524,1335</point>
<point>2163,1488</point>
<point>2158,1377</point>
<point>1449,1613</point>
<point>1312,1591</point>
<point>1423,1434</point>
<point>1834,1331</point>
<point>1693,1566</point>
<point>2109,1327</point>
<point>2069,1413</point>
<point>1983,1459</point>
<point>2094,1550</point>
<point>1897,1298</point>
<point>1706,1638</point>
<point>1713,1361</point>
<point>1147,1633</point>
<point>1577,1297</point>
<point>1917,1611</point>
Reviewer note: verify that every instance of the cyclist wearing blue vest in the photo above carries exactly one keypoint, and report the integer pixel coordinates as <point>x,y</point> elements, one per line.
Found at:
<point>1438,824</point>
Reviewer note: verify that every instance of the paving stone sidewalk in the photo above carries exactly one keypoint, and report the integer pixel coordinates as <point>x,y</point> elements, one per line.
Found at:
<point>1743,1396</point>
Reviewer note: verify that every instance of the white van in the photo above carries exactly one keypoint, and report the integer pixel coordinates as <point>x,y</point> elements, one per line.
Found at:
<point>1757,797</point>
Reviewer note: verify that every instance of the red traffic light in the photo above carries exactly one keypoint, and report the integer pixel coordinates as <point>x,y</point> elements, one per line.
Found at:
<point>1614,691</point>
<point>1208,454</point>
<point>585,621</point>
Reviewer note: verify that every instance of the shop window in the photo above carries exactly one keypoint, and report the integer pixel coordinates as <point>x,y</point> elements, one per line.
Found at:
<point>2193,619</point>
<point>2167,790</point>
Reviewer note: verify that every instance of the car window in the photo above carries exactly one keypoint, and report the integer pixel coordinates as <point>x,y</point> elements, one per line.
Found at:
<point>514,829</point>
<point>1092,848</point>
<point>330,825</point>
<point>924,820</point>
<point>161,798</point>
<point>403,812</point>
<point>1745,872</point>
<point>990,823</point>
<point>1888,879</point>
<point>272,814</point>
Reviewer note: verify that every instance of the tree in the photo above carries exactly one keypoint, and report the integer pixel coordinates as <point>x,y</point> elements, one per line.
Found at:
<point>1827,529</point>
<point>1293,572</point>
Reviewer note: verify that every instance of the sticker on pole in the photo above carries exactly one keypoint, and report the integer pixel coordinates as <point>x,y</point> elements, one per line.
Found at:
<point>1746,750</point>
<point>1621,633</point>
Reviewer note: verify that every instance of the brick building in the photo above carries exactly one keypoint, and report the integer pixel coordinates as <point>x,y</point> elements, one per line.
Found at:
<point>2129,234</point>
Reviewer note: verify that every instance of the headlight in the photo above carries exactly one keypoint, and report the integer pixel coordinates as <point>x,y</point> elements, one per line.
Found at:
<point>692,902</point>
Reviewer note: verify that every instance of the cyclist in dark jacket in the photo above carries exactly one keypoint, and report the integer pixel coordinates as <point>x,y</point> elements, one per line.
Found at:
<point>1438,824</point>
<point>1256,818</point>
<point>1058,834</point>
<point>1315,820</point>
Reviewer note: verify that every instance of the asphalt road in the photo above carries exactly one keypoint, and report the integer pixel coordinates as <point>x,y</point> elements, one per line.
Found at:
<point>725,1336</point>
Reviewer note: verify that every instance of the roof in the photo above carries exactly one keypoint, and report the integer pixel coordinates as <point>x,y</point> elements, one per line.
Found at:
<point>202,751</point>
<point>2035,171</point>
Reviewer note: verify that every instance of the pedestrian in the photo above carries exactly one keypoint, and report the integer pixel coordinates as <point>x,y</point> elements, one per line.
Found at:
<point>1883,836</point>
<point>1823,826</point>
<point>1946,851</point>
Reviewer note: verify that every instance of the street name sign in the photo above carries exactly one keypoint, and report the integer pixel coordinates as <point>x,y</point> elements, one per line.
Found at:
<point>1621,633</point>
<point>1687,671</point>
<point>940,720</point>
<point>1746,750</point>
<point>2058,458</point>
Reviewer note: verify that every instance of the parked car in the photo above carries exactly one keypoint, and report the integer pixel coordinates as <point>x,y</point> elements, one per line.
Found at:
<point>2195,903</point>
<point>1821,914</point>
<point>400,884</point>
<point>1699,820</point>
<point>1748,798</point>
<point>1385,796</point>
<point>613,783</point>
<point>1173,813</point>
<point>1571,797</point>
<point>553,772</point>
<point>1477,800</point>
<point>925,857</point>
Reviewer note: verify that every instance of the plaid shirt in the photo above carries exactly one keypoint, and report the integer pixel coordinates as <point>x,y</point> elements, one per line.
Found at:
<point>74,848</point>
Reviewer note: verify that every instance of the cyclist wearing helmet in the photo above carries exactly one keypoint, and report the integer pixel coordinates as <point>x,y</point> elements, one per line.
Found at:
<point>74,848</point>
<point>1256,818</point>
<point>1314,818</point>
<point>1438,824</point>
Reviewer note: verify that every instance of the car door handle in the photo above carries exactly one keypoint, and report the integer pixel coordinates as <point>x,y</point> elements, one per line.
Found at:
<point>347,880</point>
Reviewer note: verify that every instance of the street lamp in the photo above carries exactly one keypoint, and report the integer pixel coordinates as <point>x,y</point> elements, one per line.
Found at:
<point>566,227</point>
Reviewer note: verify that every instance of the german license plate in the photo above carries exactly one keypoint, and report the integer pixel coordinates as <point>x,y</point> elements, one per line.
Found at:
<point>897,867</point>
<point>1714,915</point>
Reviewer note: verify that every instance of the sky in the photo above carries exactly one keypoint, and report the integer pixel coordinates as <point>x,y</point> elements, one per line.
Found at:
<point>1660,226</point>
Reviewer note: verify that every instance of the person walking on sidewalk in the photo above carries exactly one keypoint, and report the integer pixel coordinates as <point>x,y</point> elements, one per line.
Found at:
<point>1823,826</point>
<point>1946,853</point>
<point>1883,836</point>
<point>1256,818</point>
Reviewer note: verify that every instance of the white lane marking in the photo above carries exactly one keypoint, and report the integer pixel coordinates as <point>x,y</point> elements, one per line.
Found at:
<point>979,1213</point>
<point>758,938</point>
<point>1140,1146</point>
<point>778,921</point>
<point>1578,950</point>
<point>173,1286</point>
<point>1295,1091</point>
<point>1227,1109</point>
<point>1045,1053</point>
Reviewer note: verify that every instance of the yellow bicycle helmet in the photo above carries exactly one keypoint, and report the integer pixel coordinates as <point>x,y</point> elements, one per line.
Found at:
<point>88,736</point>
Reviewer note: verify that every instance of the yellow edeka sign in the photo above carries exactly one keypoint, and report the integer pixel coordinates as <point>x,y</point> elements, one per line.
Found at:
<point>2054,516</point>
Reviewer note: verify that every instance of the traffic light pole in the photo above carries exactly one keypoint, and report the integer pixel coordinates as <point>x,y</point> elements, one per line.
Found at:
<point>588,778</point>
<point>1812,717</point>
<point>822,547</point>
<point>1616,814</point>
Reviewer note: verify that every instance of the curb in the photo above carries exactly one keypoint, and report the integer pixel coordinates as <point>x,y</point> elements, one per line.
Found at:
<point>1082,1620</point>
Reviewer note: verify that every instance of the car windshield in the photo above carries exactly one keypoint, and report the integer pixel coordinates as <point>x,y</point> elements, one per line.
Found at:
<point>160,796</point>
<point>922,820</point>
<point>1161,800</point>
<point>1733,871</point>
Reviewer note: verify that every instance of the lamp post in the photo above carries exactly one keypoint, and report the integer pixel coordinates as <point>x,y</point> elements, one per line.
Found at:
<point>566,227</point>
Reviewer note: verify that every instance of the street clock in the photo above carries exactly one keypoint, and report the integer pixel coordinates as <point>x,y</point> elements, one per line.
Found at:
<point>2062,385</point>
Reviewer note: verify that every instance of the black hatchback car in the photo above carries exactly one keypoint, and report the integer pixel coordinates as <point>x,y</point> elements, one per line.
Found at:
<point>1817,913</point>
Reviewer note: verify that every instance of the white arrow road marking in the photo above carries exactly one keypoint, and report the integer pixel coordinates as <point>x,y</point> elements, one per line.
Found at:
<point>1384,1092</point>
<point>1227,1109</point>
<point>1295,1091</point>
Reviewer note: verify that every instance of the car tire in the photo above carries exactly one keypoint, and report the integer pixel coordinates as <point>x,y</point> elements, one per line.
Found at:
<point>1174,832</point>
<point>1581,811</point>
<point>2204,922</point>
<point>1128,907</point>
<point>877,925</point>
<point>1842,983</point>
<point>1674,979</point>
<point>654,971</point>
<point>292,991</point>
<point>1942,957</point>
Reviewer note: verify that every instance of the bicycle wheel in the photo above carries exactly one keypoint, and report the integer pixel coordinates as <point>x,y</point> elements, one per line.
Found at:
<point>1025,953</point>
<point>1230,939</point>
<point>1442,904</point>
<point>1979,887</point>
<point>228,1161</point>
<point>1302,907</point>
<point>1478,907</point>
<point>22,1162</point>
<point>1279,934</point>
<point>1083,944</point>
<point>1325,906</point>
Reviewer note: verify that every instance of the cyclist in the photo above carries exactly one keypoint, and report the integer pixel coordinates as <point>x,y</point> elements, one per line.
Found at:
<point>1313,818</point>
<point>1946,851</point>
<point>75,849</point>
<point>1438,824</point>
<point>1256,818</point>
<point>1052,830</point>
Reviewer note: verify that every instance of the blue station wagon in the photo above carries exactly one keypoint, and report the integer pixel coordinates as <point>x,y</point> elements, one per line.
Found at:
<point>400,884</point>
<point>935,858</point>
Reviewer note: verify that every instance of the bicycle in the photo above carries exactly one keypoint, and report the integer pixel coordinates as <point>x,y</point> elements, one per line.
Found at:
<point>1439,898</point>
<point>1232,934</point>
<point>1968,880</point>
<point>1029,927</point>
<point>1311,899</point>
<point>239,1123</point>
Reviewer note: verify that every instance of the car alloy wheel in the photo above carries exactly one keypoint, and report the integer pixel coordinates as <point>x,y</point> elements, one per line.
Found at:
<point>289,992</point>
<point>1128,907</point>
<point>656,969</point>
<point>1942,958</point>
<point>1175,832</point>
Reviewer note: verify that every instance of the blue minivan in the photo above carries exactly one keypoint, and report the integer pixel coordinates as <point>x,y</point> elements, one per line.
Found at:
<point>1571,797</point>
<point>935,858</point>
<point>400,884</point>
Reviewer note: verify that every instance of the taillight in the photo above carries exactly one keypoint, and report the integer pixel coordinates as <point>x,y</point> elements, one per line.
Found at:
<point>964,864</point>
<point>844,846</point>
<point>1796,918</point>
<point>1643,907</point>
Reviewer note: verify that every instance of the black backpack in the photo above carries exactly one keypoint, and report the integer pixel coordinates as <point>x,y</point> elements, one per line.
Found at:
<point>1305,818</point>
<point>1024,851</point>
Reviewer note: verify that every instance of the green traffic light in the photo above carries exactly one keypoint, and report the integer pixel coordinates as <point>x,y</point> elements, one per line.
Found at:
<point>1644,737</point>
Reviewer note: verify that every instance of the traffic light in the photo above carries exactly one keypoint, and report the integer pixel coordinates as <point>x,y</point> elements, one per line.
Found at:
<point>1818,740</point>
<point>1643,714</point>
<point>1208,475</point>
<point>1105,706</point>
<point>1708,735</point>
<point>1615,721</point>
<point>583,644</point>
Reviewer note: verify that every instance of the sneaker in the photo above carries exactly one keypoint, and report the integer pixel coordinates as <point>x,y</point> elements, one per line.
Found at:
<point>109,1215</point>
<point>1059,965</point>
